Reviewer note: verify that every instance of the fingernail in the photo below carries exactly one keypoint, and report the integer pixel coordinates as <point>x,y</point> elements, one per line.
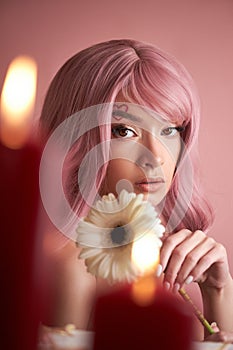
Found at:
<point>189,279</point>
<point>176,287</point>
<point>159,270</point>
<point>166,285</point>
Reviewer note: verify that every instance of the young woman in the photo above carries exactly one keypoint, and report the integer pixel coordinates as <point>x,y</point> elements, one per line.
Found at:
<point>147,144</point>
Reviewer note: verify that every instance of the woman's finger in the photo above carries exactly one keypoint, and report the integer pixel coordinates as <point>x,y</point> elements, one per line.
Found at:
<point>175,251</point>
<point>193,258</point>
<point>215,256</point>
<point>169,243</point>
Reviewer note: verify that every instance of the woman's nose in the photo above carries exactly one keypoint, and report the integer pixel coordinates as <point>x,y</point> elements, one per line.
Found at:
<point>150,162</point>
<point>151,155</point>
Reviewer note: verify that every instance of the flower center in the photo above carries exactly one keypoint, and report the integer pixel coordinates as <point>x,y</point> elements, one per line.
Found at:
<point>118,235</point>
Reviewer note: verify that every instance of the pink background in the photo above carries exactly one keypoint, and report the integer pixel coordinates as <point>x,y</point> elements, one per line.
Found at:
<point>198,32</point>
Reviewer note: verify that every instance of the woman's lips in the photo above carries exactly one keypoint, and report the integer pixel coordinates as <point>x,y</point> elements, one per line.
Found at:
<point>150,185</point>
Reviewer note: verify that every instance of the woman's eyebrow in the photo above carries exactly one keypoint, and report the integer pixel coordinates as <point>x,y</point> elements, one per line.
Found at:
<point>123,114</point>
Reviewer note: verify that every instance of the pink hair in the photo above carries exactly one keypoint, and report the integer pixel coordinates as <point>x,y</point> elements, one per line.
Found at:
<point>144,75</point>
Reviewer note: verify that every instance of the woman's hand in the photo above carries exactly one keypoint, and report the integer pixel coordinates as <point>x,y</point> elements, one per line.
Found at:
<point>193,256</point>
<point>219,336</point>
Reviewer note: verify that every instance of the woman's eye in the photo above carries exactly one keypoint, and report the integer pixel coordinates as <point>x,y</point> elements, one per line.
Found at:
<point>121,131</point>
<point>171,130</point>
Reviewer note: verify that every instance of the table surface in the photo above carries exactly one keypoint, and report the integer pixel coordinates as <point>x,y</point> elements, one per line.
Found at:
<point>70,338</point>
<point>211,346</point>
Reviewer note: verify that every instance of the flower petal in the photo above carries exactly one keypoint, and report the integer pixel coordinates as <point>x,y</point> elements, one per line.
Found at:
<point>106,258</point>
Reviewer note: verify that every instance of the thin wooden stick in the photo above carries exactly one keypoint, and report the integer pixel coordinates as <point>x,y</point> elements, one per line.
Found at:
<point>197,312</point>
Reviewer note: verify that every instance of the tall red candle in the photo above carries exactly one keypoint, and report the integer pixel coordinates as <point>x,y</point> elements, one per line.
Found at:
<point>19,205</point>
<point>19,194</point>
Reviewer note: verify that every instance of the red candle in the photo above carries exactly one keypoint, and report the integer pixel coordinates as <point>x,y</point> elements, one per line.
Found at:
<point>19,193</point>
<point>142,315</point>
<point>120,323</point>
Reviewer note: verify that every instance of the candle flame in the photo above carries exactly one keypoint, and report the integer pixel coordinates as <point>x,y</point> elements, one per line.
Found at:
<point>17,101</point>
<point>146,257</point>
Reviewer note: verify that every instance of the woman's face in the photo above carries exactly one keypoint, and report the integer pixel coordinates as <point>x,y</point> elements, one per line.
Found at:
<point>144,152</point>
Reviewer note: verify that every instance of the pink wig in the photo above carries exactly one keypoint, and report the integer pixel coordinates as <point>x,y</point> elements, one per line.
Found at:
<point>144,75</point>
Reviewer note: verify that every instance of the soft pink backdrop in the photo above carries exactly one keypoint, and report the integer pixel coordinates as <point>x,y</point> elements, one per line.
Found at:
<point>198,32</point>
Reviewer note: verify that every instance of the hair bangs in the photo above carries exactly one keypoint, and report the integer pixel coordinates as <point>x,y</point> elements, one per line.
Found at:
<point>160,90</point>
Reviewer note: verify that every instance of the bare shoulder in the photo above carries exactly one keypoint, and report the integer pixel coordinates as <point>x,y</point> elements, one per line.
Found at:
<point>71,289</point>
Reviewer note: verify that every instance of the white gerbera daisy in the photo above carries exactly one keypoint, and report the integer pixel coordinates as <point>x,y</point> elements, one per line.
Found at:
<point>106,235</point>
